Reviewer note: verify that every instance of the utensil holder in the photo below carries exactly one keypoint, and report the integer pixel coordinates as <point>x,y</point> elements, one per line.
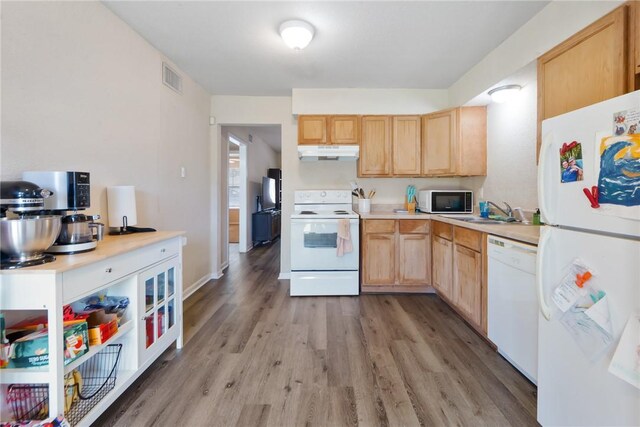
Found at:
<point>411,207</point>
<point>364,205</point>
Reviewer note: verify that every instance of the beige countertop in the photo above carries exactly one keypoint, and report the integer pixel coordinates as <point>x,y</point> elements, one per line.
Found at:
<point>523,233</point>
<point>109,247</point>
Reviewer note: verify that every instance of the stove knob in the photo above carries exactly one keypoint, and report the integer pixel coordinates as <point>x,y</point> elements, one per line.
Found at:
<point>323,194</point>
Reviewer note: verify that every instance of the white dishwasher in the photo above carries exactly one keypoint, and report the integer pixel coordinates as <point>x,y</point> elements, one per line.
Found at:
<point>513,303</point>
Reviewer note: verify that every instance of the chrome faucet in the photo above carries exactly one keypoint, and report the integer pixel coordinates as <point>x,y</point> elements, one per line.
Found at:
<point>508,213</point>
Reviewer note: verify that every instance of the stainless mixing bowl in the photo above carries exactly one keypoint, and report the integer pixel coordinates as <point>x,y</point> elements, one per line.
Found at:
<point>23,239</point>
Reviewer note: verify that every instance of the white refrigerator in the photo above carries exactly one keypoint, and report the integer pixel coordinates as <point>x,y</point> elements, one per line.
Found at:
<point>575,386</point>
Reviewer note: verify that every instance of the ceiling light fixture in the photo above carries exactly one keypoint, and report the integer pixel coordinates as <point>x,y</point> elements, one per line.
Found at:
<point>504,93</point>
<point>296,34</point>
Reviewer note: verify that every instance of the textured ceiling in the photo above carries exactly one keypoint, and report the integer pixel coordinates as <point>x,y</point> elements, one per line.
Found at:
<point>234,48</point>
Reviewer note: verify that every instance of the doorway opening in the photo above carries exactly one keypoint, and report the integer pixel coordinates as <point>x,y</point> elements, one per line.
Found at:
<point>251,188</point>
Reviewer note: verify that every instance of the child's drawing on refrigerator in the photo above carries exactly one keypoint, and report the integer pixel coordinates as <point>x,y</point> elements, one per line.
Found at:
<point>619,176</point>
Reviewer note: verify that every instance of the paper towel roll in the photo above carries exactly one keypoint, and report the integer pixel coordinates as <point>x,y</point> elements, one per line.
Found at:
<point>122,203</point>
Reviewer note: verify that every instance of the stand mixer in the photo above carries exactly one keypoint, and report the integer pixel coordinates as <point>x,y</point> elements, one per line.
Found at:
<point>24,234</point>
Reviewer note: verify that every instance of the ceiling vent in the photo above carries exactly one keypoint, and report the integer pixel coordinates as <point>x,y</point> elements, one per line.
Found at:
<point>171,78</point>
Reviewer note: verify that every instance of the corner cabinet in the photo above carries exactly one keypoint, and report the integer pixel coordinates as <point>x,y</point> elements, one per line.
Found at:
<point>327,129</point>
<point>459,271</point>
<point>454,142</point>
<point>145,268</point>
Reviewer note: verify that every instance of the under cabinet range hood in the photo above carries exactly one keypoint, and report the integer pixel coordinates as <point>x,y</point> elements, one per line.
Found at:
<point>312,153</point>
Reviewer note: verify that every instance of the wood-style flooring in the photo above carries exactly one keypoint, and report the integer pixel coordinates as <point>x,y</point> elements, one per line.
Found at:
<point>256,357</point>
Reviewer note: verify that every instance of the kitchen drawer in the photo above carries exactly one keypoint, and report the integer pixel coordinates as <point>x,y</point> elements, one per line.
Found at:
<point>468,238</point>
<point>442,229</point>
<point>414,226</point>
<point>379,226</point>
<point>84,280</point>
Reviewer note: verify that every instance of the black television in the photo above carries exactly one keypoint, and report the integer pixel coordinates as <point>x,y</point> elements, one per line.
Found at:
<point>268,196</point>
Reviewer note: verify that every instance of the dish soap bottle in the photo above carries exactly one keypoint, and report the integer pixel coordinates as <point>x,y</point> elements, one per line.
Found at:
<point>536,217</point>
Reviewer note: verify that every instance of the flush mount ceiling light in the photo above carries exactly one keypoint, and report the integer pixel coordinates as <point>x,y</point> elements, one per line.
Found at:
<point>504,93</point>
<point>296,34</point>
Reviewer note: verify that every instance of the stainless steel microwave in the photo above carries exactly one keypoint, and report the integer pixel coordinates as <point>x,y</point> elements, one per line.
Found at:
<point>445,201</point>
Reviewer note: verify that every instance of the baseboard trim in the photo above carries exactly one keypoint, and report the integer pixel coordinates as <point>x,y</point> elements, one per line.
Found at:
<point>187,292</point>
<point>284,275</point>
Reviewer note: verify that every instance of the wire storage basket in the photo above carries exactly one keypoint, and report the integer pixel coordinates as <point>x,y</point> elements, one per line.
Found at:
<point>97,377</point>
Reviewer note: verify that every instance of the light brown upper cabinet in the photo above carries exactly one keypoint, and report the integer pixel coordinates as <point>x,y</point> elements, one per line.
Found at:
<point>344,129</point>
<point>375,149</point>
<point>406,145</point>
<point>454,142</point>
<point>312,130</point>
<point>318,130</point>
<point>589,67</point>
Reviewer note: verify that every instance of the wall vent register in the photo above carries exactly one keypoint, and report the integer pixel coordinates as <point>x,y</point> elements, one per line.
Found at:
<point>171,78</point>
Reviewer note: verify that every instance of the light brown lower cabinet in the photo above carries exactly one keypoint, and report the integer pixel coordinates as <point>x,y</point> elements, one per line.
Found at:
<point>414,253</point>
<point>467,282</point>
<point>379,265</point>
<point>442,266</point>
<point>459,271</point>
<point>396,256</point>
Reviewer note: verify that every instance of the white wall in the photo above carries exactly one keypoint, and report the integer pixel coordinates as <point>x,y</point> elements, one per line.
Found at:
<point>552,25</point>
<point>511,147</point>
<point>82,91</point>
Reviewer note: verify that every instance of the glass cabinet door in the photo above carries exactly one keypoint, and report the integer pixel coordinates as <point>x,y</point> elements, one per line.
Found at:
<point>158,291</point>
<point>171,281</point>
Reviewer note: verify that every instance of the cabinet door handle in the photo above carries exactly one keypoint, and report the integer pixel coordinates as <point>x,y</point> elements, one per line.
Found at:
<point>108,270</point>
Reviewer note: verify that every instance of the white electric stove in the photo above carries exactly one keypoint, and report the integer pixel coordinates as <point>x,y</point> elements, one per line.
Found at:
<point>316,268</point>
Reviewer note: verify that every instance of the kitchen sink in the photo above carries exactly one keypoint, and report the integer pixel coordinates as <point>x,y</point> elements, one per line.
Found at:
<point>473,219</point>
<point>482,221</point>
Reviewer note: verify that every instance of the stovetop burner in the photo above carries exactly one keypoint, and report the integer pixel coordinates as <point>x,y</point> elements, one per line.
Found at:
<point>6,264</point>
<point>308,213</point>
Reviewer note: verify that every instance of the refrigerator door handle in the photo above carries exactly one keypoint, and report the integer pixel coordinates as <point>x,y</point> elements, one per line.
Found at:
<point>542,174</point>
<point>544,307</point>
